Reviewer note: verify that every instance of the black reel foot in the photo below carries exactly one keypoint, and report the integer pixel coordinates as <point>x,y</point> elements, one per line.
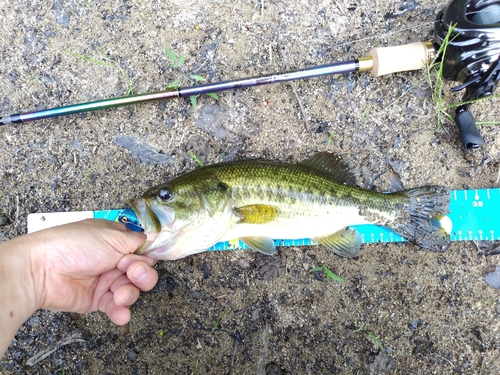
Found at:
<point>468,131</point>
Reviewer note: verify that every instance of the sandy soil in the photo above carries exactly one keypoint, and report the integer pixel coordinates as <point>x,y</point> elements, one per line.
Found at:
<point>239,312</point>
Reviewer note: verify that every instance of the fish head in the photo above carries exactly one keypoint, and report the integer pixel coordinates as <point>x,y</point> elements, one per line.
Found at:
<point>183,216</point>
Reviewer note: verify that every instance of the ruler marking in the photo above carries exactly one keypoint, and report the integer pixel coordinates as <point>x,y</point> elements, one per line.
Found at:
<point>473,213</point>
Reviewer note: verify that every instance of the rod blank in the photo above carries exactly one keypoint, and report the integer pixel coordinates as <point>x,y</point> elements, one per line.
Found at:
<point>381,61</point>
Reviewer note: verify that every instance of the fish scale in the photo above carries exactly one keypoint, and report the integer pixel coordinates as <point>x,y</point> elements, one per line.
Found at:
<point>473,213</point>
<point>298,182</point>
<point>303,194</point>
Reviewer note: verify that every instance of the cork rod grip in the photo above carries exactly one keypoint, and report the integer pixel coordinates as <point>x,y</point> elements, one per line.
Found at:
<point>413,56</point>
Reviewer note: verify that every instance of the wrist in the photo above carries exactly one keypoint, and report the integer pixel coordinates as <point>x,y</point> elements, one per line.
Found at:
<point>21,277</point>
<point>18,295</point>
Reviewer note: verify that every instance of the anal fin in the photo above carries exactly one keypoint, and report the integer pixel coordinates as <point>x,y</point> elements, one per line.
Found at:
<point>345,242</point>
<point>264,245</point>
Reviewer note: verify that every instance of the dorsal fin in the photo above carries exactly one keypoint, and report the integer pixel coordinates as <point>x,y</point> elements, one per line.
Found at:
<point>333,165</point>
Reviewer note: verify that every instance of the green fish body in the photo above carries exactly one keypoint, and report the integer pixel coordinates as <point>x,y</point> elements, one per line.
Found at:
<point>258,200</point>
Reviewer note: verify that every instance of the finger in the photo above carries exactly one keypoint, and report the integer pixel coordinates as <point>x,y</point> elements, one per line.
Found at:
<point>103,287</point>
<point>128,241</point>
<point>126,295</point>
<point>100,224</point>
<point>142,275</point>
<point>126,261</point>
<point>105,302</point>
<point>119,282</point>
<point>125,240</point>
<point>117,314</point>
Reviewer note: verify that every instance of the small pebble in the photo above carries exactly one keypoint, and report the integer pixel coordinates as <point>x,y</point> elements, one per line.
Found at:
<point>493,278</point>
<point>4,219</point>
<point>132,356</point>
<point>243,263</point>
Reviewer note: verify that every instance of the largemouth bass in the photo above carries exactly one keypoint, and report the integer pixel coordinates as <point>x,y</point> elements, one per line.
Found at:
<point>258,200</point>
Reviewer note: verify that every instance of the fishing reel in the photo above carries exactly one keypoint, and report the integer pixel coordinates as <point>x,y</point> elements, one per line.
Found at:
<point>471,31</point>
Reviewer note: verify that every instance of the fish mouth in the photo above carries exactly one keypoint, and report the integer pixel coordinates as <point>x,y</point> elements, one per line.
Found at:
<point>157,221</point>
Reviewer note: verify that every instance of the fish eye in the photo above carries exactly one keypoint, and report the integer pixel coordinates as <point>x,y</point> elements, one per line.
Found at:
<point>165,195</point>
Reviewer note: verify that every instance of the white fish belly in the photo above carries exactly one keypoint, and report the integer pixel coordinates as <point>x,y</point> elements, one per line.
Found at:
<point>307,225</point>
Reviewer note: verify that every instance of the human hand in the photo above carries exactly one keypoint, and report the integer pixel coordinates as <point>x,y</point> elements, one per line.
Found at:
<point>80,267</point>
<point>89,266</point>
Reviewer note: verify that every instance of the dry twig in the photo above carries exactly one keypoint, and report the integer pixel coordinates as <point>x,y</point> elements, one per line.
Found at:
<point>40,356</point>
<point>300,105</point>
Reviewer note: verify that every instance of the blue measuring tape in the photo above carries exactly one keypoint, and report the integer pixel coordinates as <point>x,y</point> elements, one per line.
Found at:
<point>475,216</point>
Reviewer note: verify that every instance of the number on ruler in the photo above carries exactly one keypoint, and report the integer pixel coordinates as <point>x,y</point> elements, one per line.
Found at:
<point>477,202</point>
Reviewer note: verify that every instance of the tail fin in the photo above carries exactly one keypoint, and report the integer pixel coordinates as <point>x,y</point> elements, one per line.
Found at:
<point>421,218</point>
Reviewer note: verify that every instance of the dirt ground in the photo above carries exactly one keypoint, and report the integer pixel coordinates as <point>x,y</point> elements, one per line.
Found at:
<point>240,312</point>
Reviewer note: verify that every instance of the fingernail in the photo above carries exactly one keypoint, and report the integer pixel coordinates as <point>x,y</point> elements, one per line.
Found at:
<point>140,273</point>
<point>128,301</point>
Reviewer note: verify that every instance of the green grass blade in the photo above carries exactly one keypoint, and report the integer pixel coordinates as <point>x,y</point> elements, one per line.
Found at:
<point>197,78</point>
<point>316,269</point>
<point>196,158</point>
<point>330,138</point>
<point>85,58</point>
<point>331,276</point>
<point>174,84</point>
<point>171,55</point>
<point>181,60</point>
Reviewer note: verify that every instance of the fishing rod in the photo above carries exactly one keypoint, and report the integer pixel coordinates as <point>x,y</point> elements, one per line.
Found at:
<point>469,29</point>
<point>381,61</point>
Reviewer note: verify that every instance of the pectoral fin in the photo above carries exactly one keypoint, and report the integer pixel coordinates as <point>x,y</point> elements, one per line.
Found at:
<point>264,245</point>
<point>345,242</point>
<point>257,213</point>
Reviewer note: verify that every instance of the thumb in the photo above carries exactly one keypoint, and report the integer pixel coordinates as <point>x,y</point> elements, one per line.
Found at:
<point>131,241</point>
<point>123,239</point>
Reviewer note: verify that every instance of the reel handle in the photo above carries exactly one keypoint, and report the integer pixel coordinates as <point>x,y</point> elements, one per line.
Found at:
<point>412,56</point>
<point>468,130</point>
